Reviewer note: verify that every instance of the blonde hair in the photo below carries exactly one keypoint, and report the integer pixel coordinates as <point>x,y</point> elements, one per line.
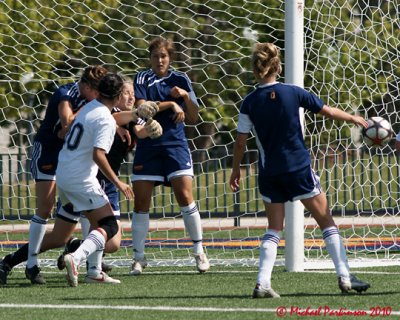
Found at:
<point>266,60</point>
<point>127,79</point>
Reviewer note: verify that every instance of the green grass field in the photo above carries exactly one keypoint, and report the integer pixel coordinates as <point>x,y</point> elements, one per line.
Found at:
<point>182,293</point>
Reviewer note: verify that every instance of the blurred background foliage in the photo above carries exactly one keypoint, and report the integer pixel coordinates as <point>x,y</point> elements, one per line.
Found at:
<point>351,57</point>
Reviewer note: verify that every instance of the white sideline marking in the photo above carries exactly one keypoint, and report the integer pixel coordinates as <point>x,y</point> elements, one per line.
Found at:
<point>22,270</point>
<point>157,308</point>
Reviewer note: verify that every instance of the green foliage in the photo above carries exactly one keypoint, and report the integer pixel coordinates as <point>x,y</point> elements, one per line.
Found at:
<point>350,52</point>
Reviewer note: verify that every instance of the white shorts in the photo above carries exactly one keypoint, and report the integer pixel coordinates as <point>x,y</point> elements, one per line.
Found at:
<point>91,199</point>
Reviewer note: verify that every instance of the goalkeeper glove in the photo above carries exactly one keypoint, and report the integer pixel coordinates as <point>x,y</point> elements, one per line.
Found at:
<point>153,129</point>
<point>147,109</point>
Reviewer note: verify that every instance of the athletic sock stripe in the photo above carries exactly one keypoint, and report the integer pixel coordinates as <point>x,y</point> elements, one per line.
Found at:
<point>97,242</point>
<point>271,238</point>
<point>191,211</point>
<point>330,232</point>
<point>38,220</point>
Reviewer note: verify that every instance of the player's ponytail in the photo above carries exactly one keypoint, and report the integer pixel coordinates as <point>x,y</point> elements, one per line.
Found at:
<point>92,75</point>
<point>266,60</point>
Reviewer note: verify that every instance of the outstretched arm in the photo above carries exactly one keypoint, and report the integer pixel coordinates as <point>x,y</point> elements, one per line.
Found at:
<point>337,114</point>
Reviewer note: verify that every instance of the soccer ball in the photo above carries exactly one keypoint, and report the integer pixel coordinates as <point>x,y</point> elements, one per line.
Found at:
<point>378,133</point>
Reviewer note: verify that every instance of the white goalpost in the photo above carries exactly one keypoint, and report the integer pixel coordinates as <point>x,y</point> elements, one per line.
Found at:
<point>294,74</point>
<point>345,51</point>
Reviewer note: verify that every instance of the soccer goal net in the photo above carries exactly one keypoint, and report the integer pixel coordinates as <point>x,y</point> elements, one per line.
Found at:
<point>351,60</point>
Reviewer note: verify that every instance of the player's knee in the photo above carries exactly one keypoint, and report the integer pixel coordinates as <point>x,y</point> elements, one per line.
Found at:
<point>112,245</point>
<point>109,225</point>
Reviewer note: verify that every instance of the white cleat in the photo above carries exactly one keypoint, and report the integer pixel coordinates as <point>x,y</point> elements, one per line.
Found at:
<point>101,277</point>
<point>72,270</point>
<point>261,292</point>
<point>352,283</point>
<point>202,263</point>
<point>137,267</point>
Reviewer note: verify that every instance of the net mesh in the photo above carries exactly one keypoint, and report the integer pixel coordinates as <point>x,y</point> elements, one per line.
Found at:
<point>351,61</point>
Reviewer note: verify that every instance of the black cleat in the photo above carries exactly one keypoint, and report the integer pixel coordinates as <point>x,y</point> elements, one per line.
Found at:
<point>106,267</point>
<point>34,275</point>
<point>70,247</point>
<point>61,262</point>
<point>352,283</point>
<point>5,270</point>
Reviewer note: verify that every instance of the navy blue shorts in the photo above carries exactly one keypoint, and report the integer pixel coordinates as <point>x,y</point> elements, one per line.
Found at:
<point>44,162</point>
<point>161,164</point>
<point>292,186</point>
<point>113,195</point>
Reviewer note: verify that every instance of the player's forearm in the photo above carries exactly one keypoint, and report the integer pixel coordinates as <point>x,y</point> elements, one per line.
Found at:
<point>238,153</point>
<point>124,117</point>
<point>239,149</point>
<point>165,105</point>
<point>100,159</point>
<point>336,114</point>
<point>140,132</point>
<point>65,114</point>
<point>192,112</point>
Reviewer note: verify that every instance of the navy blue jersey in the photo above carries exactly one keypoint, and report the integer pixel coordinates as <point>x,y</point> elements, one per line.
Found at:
<point>47,133</point>
<point>150,87</point>
<point>272,111</point>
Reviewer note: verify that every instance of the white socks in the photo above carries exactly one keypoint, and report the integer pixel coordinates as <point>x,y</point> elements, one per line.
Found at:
<point>191,218</point>
<point>85,226</point>
<point>37,230</point>
<point>94,262</point>
<point>140,228</point>
<point>336,250</point>
<point>268,251</point>
<point>95,241</point>
<point>141,223</point>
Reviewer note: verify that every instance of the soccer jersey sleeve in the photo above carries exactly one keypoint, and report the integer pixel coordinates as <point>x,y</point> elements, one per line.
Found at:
<point>140,86</point>
<point>244,124</point>
<point>310,101</point>
<point>104,134</point>
<point>63,94</point>
<point>190,90</point>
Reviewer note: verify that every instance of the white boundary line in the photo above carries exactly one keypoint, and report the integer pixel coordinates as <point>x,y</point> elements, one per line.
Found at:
<point>155,308</point>
<point>21,269</point>
<point>159,308</point>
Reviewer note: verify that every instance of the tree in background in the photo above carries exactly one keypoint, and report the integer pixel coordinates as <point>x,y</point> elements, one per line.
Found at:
<point>54,40</point>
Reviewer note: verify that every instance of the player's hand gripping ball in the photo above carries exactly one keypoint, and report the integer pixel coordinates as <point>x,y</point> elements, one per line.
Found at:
<point>378,133</point>
<point>153,129</point>
<point>147,109</point>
